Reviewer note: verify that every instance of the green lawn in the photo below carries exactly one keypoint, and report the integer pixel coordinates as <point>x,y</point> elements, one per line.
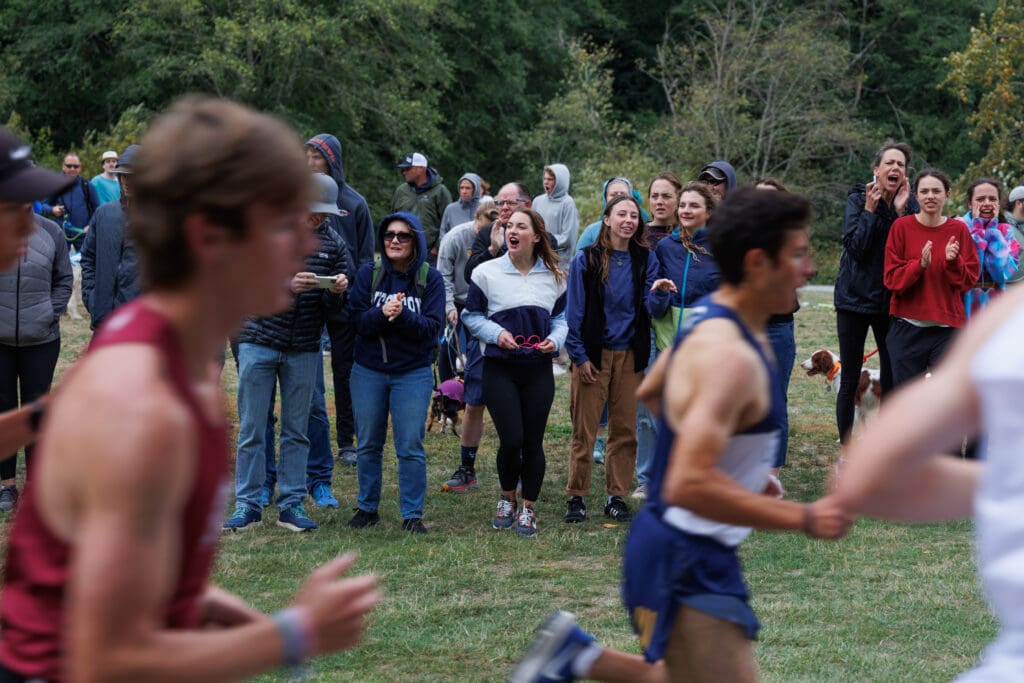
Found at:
<point>890,602</point>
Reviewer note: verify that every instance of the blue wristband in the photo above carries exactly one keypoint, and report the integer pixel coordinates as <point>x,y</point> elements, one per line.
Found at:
<point>294,644</point>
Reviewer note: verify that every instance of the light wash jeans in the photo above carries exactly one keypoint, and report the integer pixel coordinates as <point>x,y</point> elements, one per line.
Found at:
<point>258,368</point>
<point>405,396</point>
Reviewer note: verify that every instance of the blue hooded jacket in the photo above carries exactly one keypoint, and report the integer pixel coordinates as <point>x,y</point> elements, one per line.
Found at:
<point>726,168</point>
<point>354,225</point>
<point>407,343</point>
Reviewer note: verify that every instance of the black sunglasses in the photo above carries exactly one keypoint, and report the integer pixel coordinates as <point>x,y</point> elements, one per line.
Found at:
<point>402,237</point>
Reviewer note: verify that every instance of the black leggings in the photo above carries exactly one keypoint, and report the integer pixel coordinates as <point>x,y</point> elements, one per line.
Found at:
<point>518,396</point>
<point>30,368</point>
<point>852,329</point>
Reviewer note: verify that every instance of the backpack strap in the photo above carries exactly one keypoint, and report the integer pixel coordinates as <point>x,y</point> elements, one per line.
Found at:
<point>421,277</point>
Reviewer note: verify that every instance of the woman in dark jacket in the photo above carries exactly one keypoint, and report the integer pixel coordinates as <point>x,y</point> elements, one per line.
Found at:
<point>33,296</point>
<point>861,299</point>
<point>609,343</point>
<point>397,306</point>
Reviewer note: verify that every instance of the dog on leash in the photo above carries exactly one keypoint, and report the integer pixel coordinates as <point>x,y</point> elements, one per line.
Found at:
<point>446,406</point>
<point>869,389</point>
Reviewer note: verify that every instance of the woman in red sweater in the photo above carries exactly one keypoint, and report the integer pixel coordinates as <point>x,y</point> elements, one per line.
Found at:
<point>930,261</point>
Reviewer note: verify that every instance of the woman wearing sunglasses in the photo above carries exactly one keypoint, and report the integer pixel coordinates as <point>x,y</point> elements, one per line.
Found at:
<point>609,343</point>
<point>397,305</point>
<point>516,308</point>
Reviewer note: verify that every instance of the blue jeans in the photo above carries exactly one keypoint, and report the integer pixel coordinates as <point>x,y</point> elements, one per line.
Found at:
<point>259,367</point>
<point>784,347</point>
<point>320,463</point>
<point>646,430</point>
<point>405,396</point>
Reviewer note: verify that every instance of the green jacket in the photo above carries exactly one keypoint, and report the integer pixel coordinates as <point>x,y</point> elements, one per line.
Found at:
<point>427,202</point>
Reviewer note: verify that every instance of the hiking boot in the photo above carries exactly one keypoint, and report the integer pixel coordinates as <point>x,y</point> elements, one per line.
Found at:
<point>8,498</point>
<point>599,446</point>
<point>505,517</point>
<point>295,519</point>
<point>526,524</point>
<point>363,519</point>
<point>463,480</point>
<point>557,643</point>
<point>323,497</point>
<point>347,456</point>
<point>243,518</point>
<point>618,510</point>
<point>265,495</point>
<point>576,511</point>
<point>640,493</point>
<point>414,525</point>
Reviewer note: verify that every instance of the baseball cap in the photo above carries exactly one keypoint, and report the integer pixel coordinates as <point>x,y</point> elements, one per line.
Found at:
<point>413,159</point>
<point>326,195</point>
<point>109,154</point>
<point>713,172</point>
<point>20,179</point>
<point>126,164</point>
<point>1017,193</point>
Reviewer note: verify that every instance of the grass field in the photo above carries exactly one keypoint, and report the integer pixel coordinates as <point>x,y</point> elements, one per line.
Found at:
<point>888,603</point>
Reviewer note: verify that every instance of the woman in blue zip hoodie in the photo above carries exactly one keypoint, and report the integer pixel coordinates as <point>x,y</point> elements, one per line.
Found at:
<point>685,258</point>
<point>397,305</point>
<point>516,308</point>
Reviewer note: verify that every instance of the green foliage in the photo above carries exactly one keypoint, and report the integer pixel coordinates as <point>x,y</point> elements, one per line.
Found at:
<point>986,74</point>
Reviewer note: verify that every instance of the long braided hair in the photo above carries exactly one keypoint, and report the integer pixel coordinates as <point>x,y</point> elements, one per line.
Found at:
<point>710,202</point>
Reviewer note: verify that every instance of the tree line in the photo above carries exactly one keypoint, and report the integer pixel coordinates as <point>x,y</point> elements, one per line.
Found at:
<point>801,90</point>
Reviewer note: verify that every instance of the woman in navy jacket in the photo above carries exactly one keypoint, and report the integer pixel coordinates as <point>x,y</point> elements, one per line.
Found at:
<point>397,305</point>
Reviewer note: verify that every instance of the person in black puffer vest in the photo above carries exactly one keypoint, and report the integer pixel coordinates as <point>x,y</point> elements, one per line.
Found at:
<point>285,348</point>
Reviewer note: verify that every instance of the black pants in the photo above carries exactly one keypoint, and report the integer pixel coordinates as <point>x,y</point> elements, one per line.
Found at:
<point>448,353</point>
<point>343,344</point>
<point>8,676</point>
<point>28,371</point>
<point>518,397</point>
<point>914,350</point>
<point>852,330</point>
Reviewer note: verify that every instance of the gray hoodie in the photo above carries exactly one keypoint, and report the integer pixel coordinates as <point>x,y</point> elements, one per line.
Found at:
<point>561,218</point>
<point>460,211</point>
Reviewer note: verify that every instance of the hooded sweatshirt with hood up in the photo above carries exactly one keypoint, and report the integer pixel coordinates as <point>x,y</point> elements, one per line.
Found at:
<point>355,224</point>
<point>726,168</point>
<point>407,343</point>
<point>561,218</point>
<point>427,201</point>
<point>459,211</point>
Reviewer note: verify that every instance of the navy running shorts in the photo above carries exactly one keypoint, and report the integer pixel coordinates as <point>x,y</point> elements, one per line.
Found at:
<point>664,568</point>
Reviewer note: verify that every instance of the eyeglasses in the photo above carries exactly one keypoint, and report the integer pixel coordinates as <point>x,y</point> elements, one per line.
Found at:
<point>531,342</point>
<point>72,166</point>
<point>710,180</point>
<point>510,202</point>
<point>402,237</point>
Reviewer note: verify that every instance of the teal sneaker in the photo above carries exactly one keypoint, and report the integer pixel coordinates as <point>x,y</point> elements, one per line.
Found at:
<point>295,519</point>
<point>599,446</point>
<point>242,518</point>
<point>323,497</point>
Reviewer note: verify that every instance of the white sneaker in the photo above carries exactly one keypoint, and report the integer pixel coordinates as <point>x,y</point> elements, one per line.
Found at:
<point>640,493</point>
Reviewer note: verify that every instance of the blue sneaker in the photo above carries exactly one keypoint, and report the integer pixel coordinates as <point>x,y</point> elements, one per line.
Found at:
<point>554,647</point>
<point>323,497</point>
<point>265,494</point>
<point>599,446</point>
<point>243,518</point>
<point>295,519</point>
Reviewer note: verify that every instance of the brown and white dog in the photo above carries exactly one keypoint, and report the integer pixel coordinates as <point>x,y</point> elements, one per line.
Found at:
<point>869,389</point>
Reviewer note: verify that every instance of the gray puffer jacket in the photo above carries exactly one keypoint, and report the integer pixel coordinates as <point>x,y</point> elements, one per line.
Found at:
<point>34,295</point>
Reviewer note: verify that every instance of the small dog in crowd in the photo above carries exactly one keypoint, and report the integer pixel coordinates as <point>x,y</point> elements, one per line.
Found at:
<point>446,407</point>
<point>869,389</point>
